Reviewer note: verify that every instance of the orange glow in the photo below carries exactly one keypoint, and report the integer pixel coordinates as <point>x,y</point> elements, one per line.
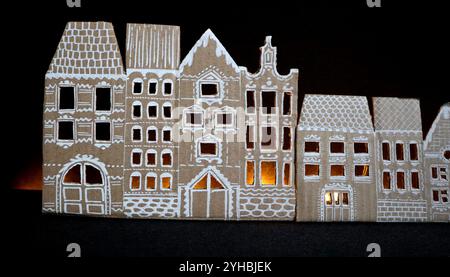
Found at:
<point>268,173</point>
<point>166,182</point>
<point>250,173</point>
<point>202,183</point>
<point>215,184</point>
<point>29,179</point>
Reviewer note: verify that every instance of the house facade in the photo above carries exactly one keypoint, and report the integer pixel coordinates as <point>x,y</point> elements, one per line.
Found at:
<point>399,148</point>
<point>437,166</point>
<point>84,114</point>
<point>335,160</point>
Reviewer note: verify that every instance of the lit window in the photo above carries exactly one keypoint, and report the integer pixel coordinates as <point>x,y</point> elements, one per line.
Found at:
<point>287,174</point>
<point>135,181</point>
<point>413,152</point>
<point>250,179</point>
<point>415,180</point>
<point>400,180</point>
<point>328,199</point>
<point>399,152</point>
<point>337,170</point>
<point>166,182</point>
<point>362,170</point>
<point>166,158</point>
<point>386,180</point>
<point>151,158</point>
<point>150,182</point>
<point>311,170</point>
<point>386,151</point>
<point>361,147</point>
<point>268,173</point>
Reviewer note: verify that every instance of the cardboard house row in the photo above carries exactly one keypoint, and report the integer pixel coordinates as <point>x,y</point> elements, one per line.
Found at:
<point>206,139</point>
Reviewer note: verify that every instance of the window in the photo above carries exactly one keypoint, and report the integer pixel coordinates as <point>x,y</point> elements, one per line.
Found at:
<point>250,169</point>
<point>250,137</point>
<point>362,170</point>
<point>439,173</point>
<point>414,180</point>
<point>137,110</point>
<point>444,196</point>
<point>167,135</point>
<point>166,158</point>
<point>136,157</point>
<point>447,155</point>
<point>208,149</point>
<point>337,147</point>
<point>268,100</point>
<point>361,147</point>
<point>73,176</point>
<point>152,110</point>
<point>166,181</point>
<point>224,119</point>
<point>386,180</point>
<point>268,173</point>
<point>167,110</point>
<point>250,101</point>
<point>167,87</point>
<point>135,181</point>
<point>434,172</point>
<point>102,131</point>
<point>413,152</point>
<point>103,99</point>
<point>209,90</point>
<point>152,87</point>
<point>400,180</point>
<point>268,138</point>
<point>435,195</point>
<point>137,87</point>
<point>150,181</point>
<point>399,152</point>
<point>194,118</point>
<point>443,173</point>
<point>287,174</point>
<point>312,170</point>
<point>66,98</point>
<point>386,151</point>
<point>337,170</point>
<point>286,138</point>
<point>151,158</point>
<point>312,147</point>
<point>136,133</point>
<point>328,199</point>
<point>287,96</point>
<point>65,130</point>
<point>152,135</point>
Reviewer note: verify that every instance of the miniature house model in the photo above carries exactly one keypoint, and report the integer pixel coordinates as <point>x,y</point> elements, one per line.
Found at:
<point>206,139</point>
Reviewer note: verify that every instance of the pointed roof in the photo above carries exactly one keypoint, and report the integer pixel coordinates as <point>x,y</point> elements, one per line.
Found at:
<point>439,134</point>
<point>396,114</point>
<point>153,46</point>
<point>203,42</point>
<point>87,48</point>
<point>341,113</point>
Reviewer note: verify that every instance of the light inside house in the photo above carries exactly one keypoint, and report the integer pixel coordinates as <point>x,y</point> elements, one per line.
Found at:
<point>268,173</point>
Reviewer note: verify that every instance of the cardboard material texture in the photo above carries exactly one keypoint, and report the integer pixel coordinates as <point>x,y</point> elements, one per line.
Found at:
<point>206,139</point>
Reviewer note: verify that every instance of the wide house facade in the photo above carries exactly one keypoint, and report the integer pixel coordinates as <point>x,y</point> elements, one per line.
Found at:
<point>203,138</point>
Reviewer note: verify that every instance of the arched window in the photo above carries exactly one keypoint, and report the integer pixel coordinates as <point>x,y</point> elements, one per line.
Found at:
<point>166,181</point>
<point>150,181</point>
<point>135,181</point>
<point>136,112</point>
<point>166,158</point>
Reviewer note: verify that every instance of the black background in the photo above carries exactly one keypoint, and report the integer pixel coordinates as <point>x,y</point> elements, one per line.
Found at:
<point>340,47</point>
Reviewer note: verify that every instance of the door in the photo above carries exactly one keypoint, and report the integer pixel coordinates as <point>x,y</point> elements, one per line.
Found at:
<point>84,190</point>
<point>209,198</point>
<point>337,206</point>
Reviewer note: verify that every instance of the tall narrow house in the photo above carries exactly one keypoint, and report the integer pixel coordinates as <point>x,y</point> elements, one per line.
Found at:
<point>399,148</point>
<point>270,107</point>
<point>210,154</point>
<point>150,156</point>
<point>84,112</point>
<point>335,160</point>
<point>437,166</point>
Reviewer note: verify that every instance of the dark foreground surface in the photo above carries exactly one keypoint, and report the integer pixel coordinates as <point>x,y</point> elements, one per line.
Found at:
<point>48,235</point>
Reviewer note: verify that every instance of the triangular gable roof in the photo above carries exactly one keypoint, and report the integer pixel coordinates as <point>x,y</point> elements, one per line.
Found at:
<point>203,42</point>
<point>216,173</point>
<point>439,130</point>
<point>394,114</point>
<point>340,113</point>
<point>87,48</point>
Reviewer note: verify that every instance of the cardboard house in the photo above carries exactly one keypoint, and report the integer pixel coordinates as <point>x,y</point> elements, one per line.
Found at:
<point>437,166</point>
<point>335,160</point>
<point>399,143</point>
<point>203,138</point>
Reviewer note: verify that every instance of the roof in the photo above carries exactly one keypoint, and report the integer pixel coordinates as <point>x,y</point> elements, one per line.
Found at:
<point>203,42</point>
<point>335,113</point>
<point>152,46</point>
<point>394,114</point>
<point>87,48</point>
<point>439,134</point>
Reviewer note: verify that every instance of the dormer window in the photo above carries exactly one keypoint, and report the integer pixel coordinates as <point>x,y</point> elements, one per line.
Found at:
<point>209,90</point>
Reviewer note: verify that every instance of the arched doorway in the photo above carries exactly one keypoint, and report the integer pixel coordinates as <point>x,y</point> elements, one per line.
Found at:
<point>209,197</point>
<point>84,189</point>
